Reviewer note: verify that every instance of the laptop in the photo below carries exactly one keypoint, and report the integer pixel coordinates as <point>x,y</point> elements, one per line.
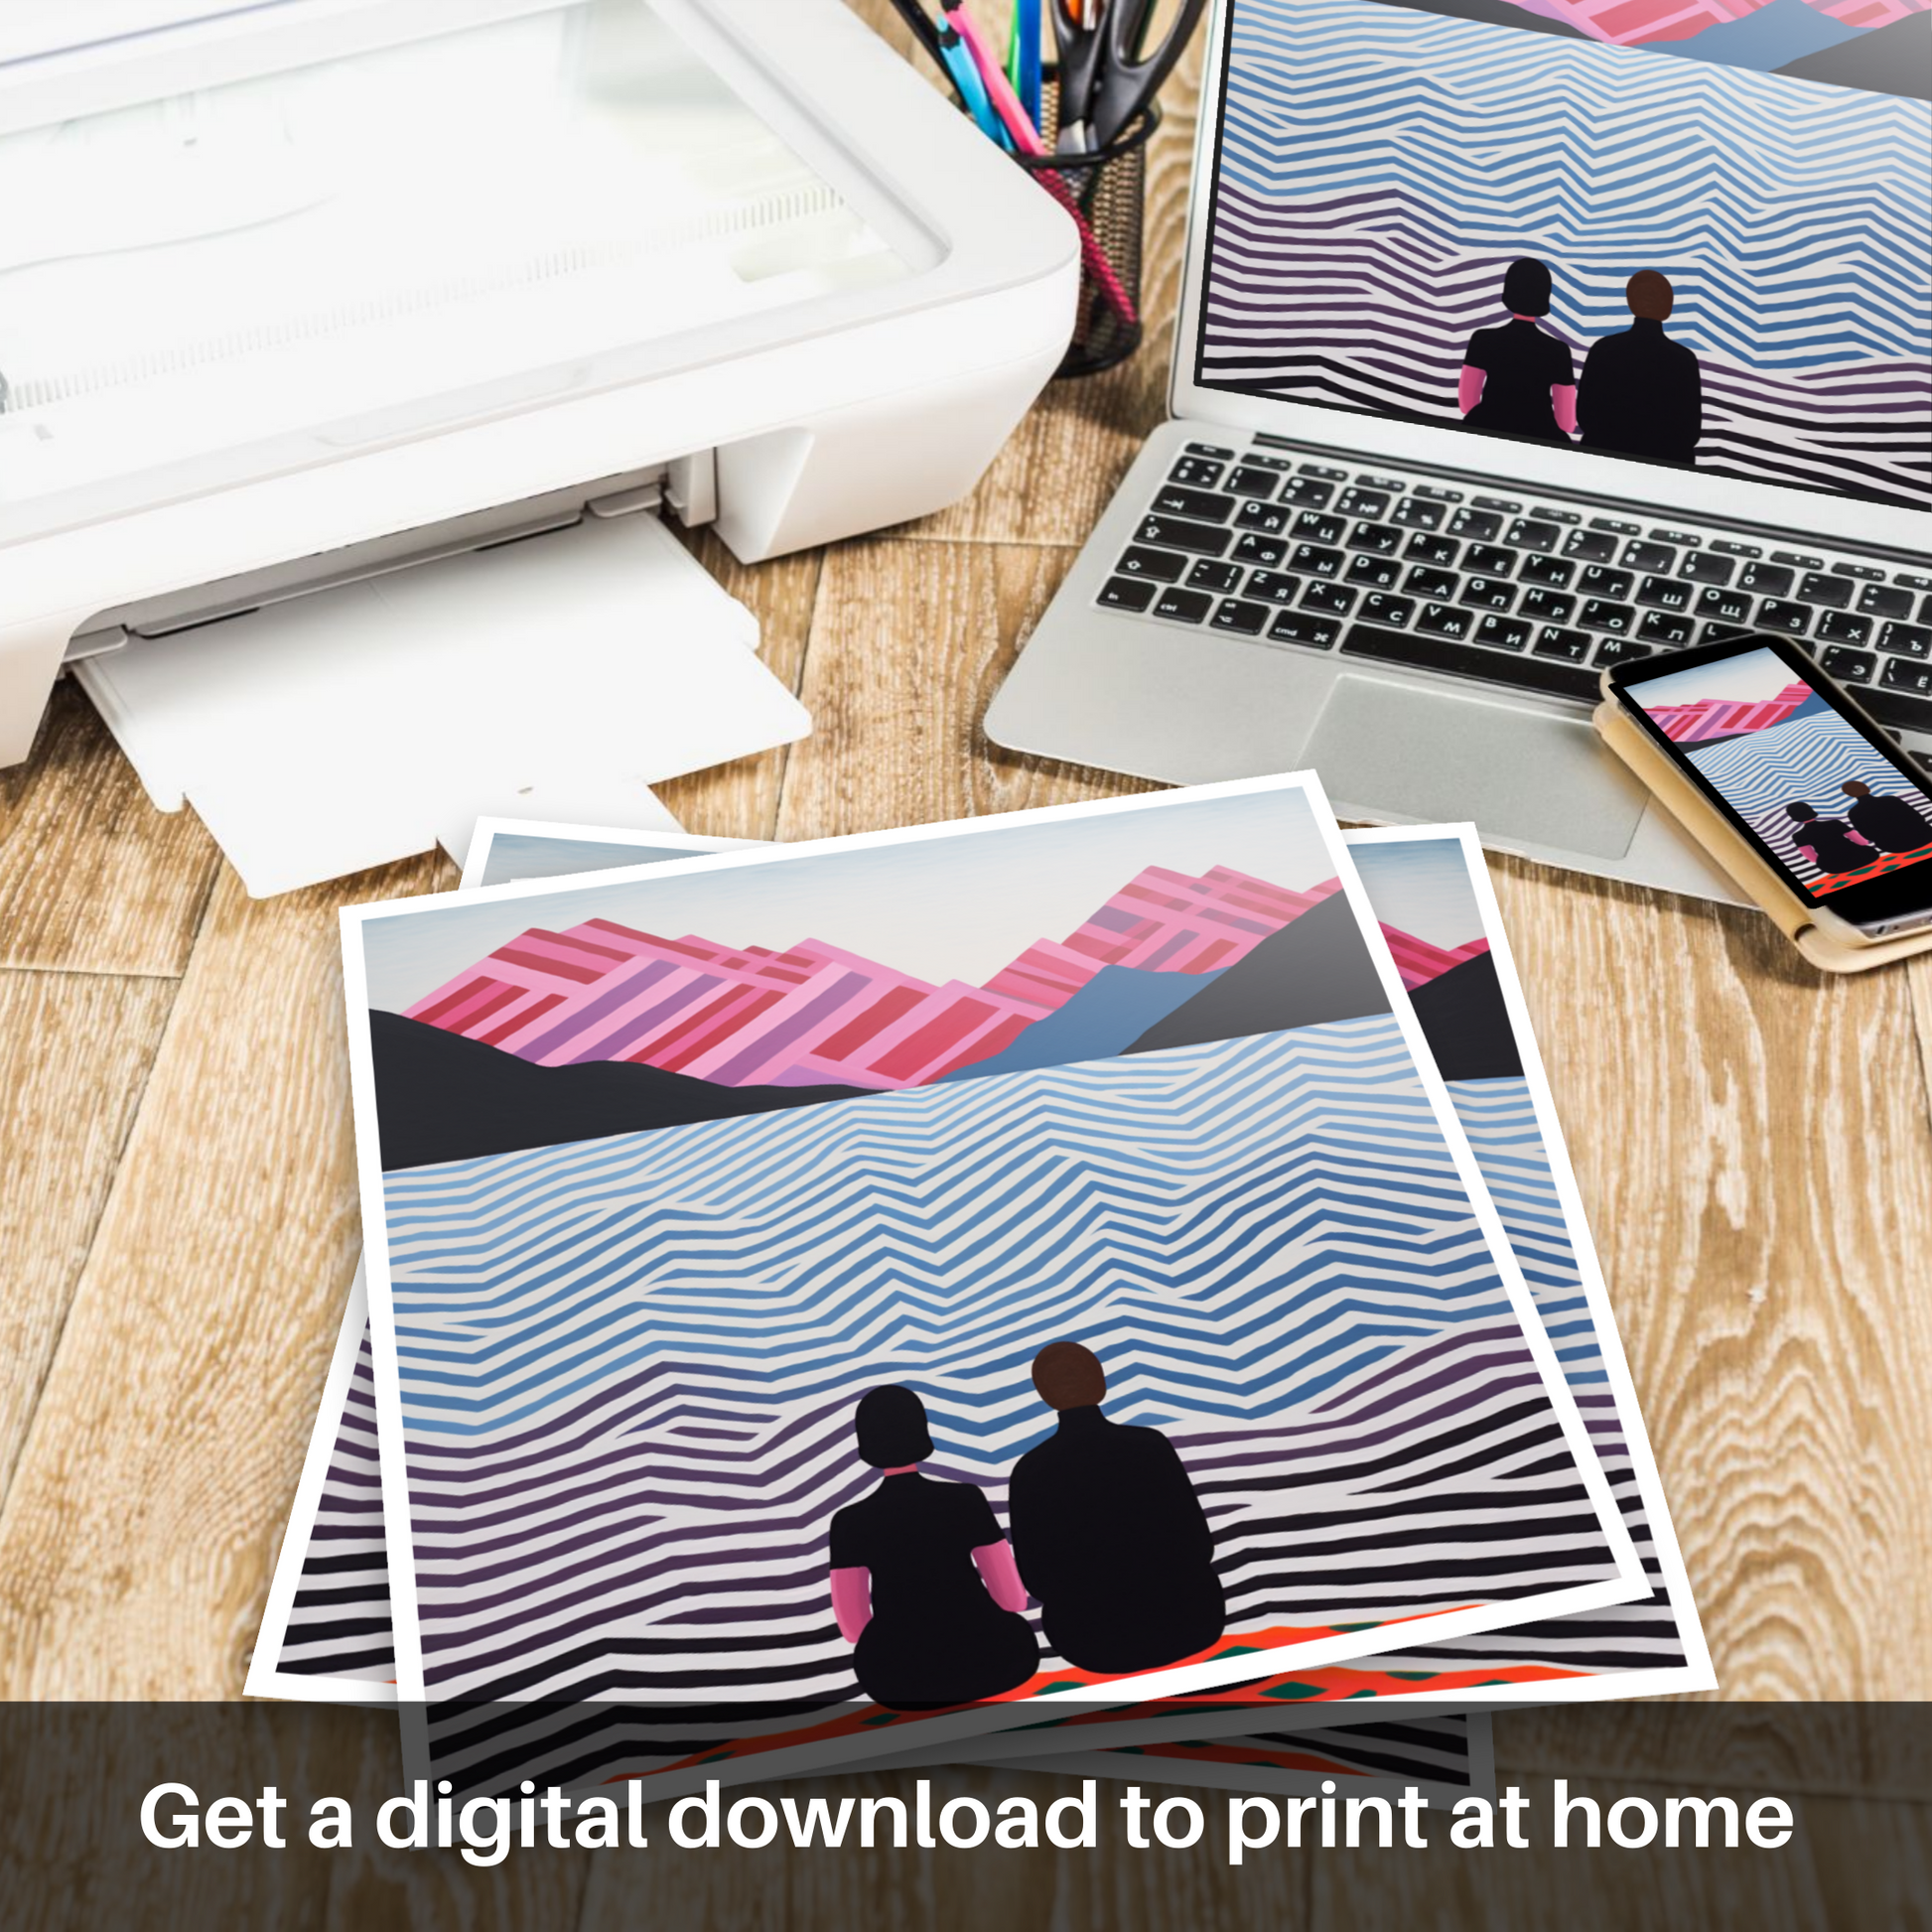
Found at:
<point>1516,339</point>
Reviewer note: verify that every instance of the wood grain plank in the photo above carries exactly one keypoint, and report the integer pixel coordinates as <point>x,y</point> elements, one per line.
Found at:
<point>93,878</point>
<point>1760,1179</point>
<point>1878,1748</point>
<point>369,1887</point>
<point>71,1780</point>
<point>1874,1865</point>
<point>739,800</point>
<point>910,642</point>
<point>74,1054</point>
<point>137,1537</point>
<point>1918,980</point>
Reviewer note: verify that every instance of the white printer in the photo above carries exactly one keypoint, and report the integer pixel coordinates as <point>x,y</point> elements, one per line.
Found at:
<point>310,309</point>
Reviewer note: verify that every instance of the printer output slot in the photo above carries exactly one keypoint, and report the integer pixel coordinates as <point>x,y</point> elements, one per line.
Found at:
<point>525,536</point>
<point>558,678</point>
<point>687,486</point>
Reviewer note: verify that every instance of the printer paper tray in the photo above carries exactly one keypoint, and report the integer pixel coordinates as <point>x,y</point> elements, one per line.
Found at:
<point>556,677</point>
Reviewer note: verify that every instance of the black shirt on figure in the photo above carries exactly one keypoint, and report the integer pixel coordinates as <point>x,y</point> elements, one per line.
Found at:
<point>1520,363</point>
<point>1641,395</point>
<point>1831,844</point>
<point>936,1637</point>
<point>1112,1540</point>
<point>1890,823</point>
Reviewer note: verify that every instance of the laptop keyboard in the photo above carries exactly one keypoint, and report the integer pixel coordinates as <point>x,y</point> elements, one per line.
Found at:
<point>1310,556</point>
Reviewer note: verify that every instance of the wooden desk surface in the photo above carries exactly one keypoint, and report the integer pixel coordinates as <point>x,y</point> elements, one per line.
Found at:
<point>177,1214</point>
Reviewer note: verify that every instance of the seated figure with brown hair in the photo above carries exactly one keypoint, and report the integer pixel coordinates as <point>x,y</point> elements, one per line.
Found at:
<point>1641,393</point>
<point>1108,1532</point>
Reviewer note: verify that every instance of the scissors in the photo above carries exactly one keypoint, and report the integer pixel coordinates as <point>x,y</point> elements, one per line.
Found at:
<point>1107,75</point>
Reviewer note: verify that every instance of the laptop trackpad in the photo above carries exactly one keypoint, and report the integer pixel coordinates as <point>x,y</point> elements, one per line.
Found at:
<point>1388,747</point>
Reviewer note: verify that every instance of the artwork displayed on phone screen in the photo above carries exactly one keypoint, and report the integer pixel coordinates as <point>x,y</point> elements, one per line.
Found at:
<point>1832,808</point>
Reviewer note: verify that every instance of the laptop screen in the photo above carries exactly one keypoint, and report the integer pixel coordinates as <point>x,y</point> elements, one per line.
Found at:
<point>1686,232</point>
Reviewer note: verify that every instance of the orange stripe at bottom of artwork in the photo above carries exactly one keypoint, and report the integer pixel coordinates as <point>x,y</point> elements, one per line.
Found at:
<point>1329,1684</point>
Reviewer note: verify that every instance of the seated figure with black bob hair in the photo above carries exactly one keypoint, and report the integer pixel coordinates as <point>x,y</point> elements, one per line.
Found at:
<point>1518,377</point>
<point>923,1583</point>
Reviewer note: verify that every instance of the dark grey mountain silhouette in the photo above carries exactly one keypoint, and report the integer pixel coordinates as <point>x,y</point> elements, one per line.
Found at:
<point>1316,968</point>
<point>1894,60</point>
<point>1466,1023</point>
<point>441,1097</point>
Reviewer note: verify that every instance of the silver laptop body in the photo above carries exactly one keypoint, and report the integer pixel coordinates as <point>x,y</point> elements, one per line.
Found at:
<point>1404,725</point>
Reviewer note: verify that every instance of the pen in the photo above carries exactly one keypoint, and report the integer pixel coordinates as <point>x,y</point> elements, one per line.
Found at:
<point>1026,138</point>
<point>1000,95</point>
<point>942,44</point>
<point>919,22</point>
<point>1023,57</point>
<point>968,75</point>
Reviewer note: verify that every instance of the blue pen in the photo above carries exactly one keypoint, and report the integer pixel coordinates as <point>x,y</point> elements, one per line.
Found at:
<point>942,41</point>
<point>965,75</point>
<point>1026,81</point>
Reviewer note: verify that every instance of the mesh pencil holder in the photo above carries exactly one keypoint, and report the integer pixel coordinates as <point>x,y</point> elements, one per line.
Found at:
<point>1106,193</point>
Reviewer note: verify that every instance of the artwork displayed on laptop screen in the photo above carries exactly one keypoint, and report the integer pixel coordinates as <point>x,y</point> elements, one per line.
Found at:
<point>1688,232</point>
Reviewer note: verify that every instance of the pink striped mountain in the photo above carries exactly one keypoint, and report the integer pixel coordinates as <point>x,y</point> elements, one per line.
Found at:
<point>1419,962</point>
<point>1689,724</point>
<point>815,1013</point>
<point>1641,23</point>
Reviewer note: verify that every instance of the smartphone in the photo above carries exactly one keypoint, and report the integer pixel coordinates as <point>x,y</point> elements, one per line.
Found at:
<point>1816,785</point>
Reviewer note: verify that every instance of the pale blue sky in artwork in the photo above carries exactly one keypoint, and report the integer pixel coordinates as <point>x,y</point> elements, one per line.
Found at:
<point>1420,887</point>
<point>540,855</point>
<point>942,908</point>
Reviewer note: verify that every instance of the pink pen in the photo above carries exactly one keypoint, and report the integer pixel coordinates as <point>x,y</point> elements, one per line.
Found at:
<point>1026,138</point>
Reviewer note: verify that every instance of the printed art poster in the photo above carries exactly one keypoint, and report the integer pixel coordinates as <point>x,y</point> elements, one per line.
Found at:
<point>870,1287</point>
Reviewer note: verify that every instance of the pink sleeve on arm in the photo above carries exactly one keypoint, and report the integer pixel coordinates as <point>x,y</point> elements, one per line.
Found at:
<point>1468,388</point>
<point>852,1602</point>
<point>1563,399</point>
<point>1000,1575</point>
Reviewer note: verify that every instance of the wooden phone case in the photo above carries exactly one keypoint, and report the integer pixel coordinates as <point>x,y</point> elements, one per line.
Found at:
<point>1728,847</point>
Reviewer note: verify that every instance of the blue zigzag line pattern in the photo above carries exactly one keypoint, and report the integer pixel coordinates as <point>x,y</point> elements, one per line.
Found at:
<point>1805,207</point>
<point>628,1367</point>
<point>340,1622</point>
<point>767,1253</point>
<point>1380,166</point>
<point>1807,759</point>
<point>1499,1117</point>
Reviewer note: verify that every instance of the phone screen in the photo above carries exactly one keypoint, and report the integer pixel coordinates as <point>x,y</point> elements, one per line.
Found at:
<point>1813,783</point>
